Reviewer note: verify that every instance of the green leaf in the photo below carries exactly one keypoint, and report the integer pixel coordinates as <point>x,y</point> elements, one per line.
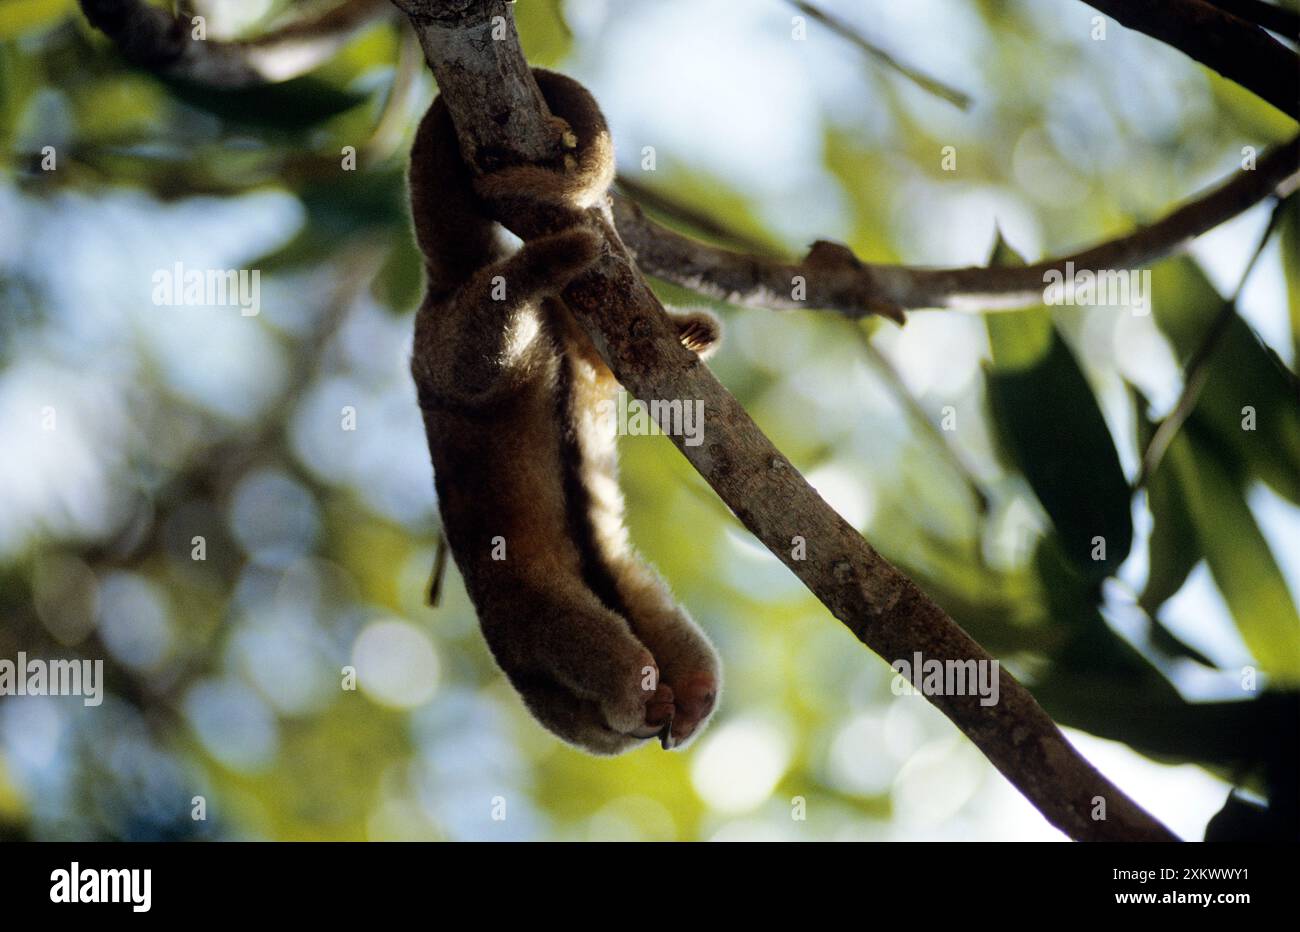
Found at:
<point>1236,552</point>
<point>121,107</point>
<point>369,202</point>
<point>1249,403</point>
<point>1020,339</point>
<point>543,32</point>
<point>400,281</point>
<point>19,78</point>
<point>1050,427</point>
<point>1291,267</point>
<point>307,248</point>
<point>1243,819</point>
<point>356,200</point>
<point>1251,116</point>
<point>1173,550</point>
<point>288,107</point>
<point>1149,715</point>
<point>865,176</point>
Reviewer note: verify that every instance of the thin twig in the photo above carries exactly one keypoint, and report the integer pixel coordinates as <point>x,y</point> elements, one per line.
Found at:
<point>854,35</point>
<point>702,221</point>
<point>1198,365</point>
<point>439,571</point>
<point>390,128</point>
<point>893,380</point>
<point>838,281</point>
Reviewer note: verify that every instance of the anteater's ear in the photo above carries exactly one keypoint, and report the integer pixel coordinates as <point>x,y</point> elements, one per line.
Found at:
<point>699,331</point>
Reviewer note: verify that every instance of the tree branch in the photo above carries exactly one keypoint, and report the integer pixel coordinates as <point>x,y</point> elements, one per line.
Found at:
<point>837,280</point>
<point>911,406</point>
<point>683,213</point>
<point>1236,49</point>
<point>845,31</point>
<point>1197,371</point>
<point>153,38</point>
<point>1269,15</point>
<point>488,86</point>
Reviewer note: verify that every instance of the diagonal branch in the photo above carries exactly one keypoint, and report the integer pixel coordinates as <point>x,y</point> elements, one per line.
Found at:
<point>153,38</point>
<point>683,213</point>
<point>844,30</point>
<point>1197,371</point>
<point>836,280</point>
<point>1238,50</point>
<point>1279,19</point>
<point>487,84</point>
<point>911,406</point>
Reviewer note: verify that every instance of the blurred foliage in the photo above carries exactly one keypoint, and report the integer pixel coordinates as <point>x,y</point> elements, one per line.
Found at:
<point>224,672</point>
<point>1052,429</point>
